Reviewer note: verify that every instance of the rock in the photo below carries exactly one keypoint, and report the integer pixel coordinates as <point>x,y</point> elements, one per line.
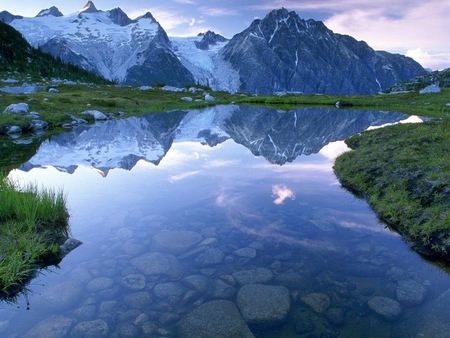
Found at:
<point>168,318</point>
<point>24,89</point>
<point>99,284</point>
<point>53,91</point>
<point>187,99</point>
<point>97,115</point>
<point>145,88</point>
<point>17,108</point>
<point>222,290</point>
<point>210,257</point>
<point>218,319</point>
<point>95,328</point>
<point>61,296</point>
<point>196,282</point>
<point>157,263</point>
<point>318,302</point>
<point>387,308</point>
<point>69,245</point>
<point>172,89</point>
<point>255,276</point>
<point>245,252</point>
<point>128,330</point>
<point>209,98</point>
<point>138,300</point>
<point>167,290</point>
<point>14,130</point>
<point>264,305</point>
<point>175,242</point>
<point>37,125</point>
<point>133,282</point>
<point>53,327</point>
<point>434,88</point>
<point>410,293</point>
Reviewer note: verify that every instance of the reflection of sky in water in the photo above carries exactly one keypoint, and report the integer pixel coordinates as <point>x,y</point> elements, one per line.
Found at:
<point>299,206</point>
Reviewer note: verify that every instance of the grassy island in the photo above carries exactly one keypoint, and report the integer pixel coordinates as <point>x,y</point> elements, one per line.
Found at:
<point>32,222</point>
<point>404,173</point>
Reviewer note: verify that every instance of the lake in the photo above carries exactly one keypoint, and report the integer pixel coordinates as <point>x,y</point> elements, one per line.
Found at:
<point>227,221</point>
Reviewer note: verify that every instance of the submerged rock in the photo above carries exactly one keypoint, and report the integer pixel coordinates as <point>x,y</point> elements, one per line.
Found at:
<point>410,293</point>
<point>264,305</point>
<point>95,328</point>
<point>218,319</point>
<point>318,302</point>
<point>175,242</point>
<point>157,263</point>
<point>53,327</point>
<point>386,307</point>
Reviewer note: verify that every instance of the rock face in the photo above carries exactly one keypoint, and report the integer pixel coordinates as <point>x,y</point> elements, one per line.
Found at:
<point>263,305</point>
<point>219,319</point>
<point>283,52</point>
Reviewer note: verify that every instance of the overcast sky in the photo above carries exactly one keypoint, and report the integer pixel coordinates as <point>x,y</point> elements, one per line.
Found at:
<point>416,28</point>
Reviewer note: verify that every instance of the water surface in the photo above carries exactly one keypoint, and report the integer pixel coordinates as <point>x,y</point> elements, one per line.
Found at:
<point>230,197</point>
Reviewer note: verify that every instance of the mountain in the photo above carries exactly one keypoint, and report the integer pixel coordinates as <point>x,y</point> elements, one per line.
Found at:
<point>133,52</point>
<point>16,54</point>
<point>281,52</point>
<point>278,136</point>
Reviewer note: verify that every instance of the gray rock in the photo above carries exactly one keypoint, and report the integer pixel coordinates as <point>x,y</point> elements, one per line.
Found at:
<point>245,252</point>
<point>175,242</point>
<point>222,290</point>
<point>24,89</point>
<point>61,296</point>
<point>254,276</point>
<point>53,91</point>
<point>263,305</point>
<point>90,329</point>
<point>218,319</point>
<point>209,98</point>
<point>410,293</point>
<point>172,89</point>
<point>39,125</point>
<point>138,300</point>
<point>157,263</point>
<point>167,290</point>
<point>69,245</point>
<point>210,257</point>
<point>387,308</point>
<point>128,330</point>
<point>434,88</point>
<point>291,279</point>
<point>99,284</point>
<point>17,108</point>
<point>133,282</point>
<point>318,302</point>
<point>187,99</point>
<point>196,282</point>
<point>53,327</point>
<point>97,115</point>
<point>335,316</point>
<point>14,130</point>
<point>145,88</point>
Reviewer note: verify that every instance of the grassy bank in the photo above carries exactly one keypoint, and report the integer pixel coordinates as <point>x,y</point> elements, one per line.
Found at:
<point>31,223</point>
<point>404,172</point>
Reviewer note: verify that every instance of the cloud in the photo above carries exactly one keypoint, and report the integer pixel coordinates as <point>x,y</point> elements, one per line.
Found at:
<point>280,193</point>
<point>437,61</point>
<point>216,11</point>
<point>182,176</point>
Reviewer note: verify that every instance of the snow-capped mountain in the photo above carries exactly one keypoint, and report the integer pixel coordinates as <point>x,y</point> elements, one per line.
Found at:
<point>278,136</point>
<point>281,52</point>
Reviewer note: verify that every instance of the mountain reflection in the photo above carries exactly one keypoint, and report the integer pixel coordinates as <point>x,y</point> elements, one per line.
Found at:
<point>278,136</point>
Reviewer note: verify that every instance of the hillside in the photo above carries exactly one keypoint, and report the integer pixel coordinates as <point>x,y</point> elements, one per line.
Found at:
<point>16,55</point>
<point>440,78</point>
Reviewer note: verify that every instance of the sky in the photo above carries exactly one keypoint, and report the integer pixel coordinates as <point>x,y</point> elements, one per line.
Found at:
<point>416,28</point>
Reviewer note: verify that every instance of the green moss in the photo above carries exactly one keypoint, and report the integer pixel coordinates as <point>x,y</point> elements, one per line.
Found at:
<point>404,172</point>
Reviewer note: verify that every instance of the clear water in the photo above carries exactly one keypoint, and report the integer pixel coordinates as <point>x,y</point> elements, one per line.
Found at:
<point>254,184</point>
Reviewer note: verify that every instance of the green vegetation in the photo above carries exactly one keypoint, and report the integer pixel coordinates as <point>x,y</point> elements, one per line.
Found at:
<point>31,223</point>
<point>404,172</point>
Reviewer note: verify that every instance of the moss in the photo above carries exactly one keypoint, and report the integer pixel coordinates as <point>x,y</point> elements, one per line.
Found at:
<point>404,173</point>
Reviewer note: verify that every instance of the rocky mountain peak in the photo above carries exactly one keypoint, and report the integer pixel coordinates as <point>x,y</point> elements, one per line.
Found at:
<point>119,17</point>
<point>50,11</point>
<point>89,8</point>
<point>209,39</point>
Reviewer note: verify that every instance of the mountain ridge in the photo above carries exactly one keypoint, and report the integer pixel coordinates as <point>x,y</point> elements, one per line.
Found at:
<point>281,52</point>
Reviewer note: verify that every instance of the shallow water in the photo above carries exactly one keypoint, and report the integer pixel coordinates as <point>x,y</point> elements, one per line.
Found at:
<point>243,192</point>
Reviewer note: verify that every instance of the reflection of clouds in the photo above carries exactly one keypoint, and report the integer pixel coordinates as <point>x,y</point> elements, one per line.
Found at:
<point>334,149</point>
<point>221,163</point>
<point>281,192</point>
<point>182,176</point>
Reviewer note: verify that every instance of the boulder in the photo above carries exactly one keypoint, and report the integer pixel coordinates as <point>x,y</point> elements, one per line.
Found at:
<point>254,276</point>
<point>386,307</point>
<point>434,88</point>
<point>264,305</point>
<point>218,319</point>
<point>157,263</point>
<point>210,257</point>
<point>97,115</point>
<point>410,293</point>
<point>17,108</point>
<point>133,282</point>
<point>175,242</point>
<point>53,327</point>
<point>53,91</point>
<point>187,99</point>
<point>60,297</point>
<point>209,98</point>
<point>318,302</point>
<point>95,328</point>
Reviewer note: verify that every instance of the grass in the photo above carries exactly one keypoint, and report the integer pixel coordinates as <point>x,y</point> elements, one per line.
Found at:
<point>404,172</point>
<point>31,223</point>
